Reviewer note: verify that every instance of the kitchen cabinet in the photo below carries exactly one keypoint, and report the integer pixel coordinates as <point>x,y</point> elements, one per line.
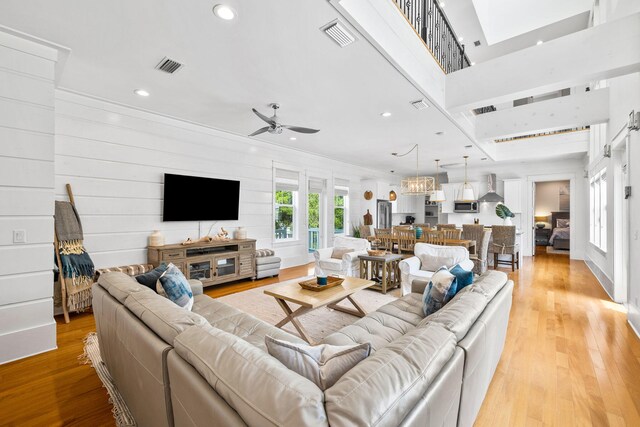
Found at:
<point>513,191</point>
<point>404,205</point>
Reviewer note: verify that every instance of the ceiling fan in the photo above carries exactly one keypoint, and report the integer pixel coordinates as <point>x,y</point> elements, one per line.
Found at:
<point>275,126</point>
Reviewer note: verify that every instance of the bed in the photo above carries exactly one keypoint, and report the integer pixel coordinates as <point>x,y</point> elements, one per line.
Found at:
<point>560,230</point>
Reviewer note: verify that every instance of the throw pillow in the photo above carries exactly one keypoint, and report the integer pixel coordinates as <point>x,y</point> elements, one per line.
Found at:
<point>150,278</point>
<point>322,364</point>
<point>436,294</point>
<point>430,262</point>
<point>562,223</point>
<point>463,277</point>
<point>338,253</point>
<point>176,287</point>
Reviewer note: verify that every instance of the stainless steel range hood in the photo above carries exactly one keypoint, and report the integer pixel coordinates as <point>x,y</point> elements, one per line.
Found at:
<point>491,196</point>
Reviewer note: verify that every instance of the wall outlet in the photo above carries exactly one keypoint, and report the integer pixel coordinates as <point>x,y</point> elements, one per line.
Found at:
<point>19,236</point>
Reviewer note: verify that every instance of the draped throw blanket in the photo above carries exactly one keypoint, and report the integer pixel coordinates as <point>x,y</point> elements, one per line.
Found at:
<point>77,267</point>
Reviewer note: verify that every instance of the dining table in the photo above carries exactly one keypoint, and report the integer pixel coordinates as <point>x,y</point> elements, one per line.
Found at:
<point>469,244</point>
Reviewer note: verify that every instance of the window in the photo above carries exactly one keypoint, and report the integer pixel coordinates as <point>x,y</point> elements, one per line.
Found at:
<point>598,210</point>
<point>341,207</point>
<point>285,205</point>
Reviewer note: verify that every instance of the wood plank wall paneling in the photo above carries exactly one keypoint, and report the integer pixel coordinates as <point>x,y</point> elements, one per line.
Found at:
<point>115,157</point>
<point>26,191</point>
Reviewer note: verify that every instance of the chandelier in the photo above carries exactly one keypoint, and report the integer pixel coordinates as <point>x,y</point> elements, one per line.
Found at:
<point>416,185</point>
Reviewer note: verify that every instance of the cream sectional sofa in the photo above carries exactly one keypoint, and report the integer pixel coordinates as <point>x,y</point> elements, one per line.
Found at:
<point>210,367</point>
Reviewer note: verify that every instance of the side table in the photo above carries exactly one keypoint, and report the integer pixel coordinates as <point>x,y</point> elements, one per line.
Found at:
<point>383,270</point>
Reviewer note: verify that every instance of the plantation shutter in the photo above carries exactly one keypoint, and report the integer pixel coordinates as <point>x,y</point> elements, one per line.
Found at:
<point>287,180</point>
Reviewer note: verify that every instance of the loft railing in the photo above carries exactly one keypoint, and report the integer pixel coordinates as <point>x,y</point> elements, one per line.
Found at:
<point>432,25</point>
<point>537,135</point>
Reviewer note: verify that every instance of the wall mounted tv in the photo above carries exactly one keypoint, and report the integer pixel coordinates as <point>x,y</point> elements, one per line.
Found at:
<point>189,198</point>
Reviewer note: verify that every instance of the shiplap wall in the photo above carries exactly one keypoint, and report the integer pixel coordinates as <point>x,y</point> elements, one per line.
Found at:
<point>26,197</point>
<point>115,157</point>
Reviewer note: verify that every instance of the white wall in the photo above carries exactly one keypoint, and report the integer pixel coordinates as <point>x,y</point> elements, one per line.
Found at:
<point>548,198</point>
<point>26,190</point>
<point>114,157</point>
<point>531,171</point>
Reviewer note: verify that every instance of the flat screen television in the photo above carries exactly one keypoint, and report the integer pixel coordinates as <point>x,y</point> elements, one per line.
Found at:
<point>189,198</point>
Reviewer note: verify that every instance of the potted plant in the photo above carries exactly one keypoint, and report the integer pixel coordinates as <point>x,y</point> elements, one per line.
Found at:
<point>504,213</point>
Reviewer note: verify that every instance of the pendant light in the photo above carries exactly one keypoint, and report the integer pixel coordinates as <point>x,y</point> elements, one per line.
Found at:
<point>392,196</point>
<point>415,185</point>
<point>438,194</point>
<point>466,191</point>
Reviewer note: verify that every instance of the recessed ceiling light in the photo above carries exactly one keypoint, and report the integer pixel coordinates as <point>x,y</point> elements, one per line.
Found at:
<point>293,138</point>
<point>441,4</point>
<point>141,92</point>
<point>473,63</point>
<point>460,38</point>
<point>539,42</point>
<point>223,11</point>
<point>385,114</point>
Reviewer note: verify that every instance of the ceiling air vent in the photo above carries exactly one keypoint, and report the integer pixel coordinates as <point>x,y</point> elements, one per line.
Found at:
<point>339,33</point>
<point>477,43</point>
<point>168,65</point>
<point>420,105</point>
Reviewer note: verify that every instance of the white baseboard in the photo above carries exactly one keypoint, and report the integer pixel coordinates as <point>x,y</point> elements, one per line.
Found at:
<point>27,342</point>
<point>601,277</point>
<point>634,328</point>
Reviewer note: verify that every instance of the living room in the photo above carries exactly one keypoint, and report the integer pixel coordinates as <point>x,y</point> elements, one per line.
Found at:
<point>102,103</point>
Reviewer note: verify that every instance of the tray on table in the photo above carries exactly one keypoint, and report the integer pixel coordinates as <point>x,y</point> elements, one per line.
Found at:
<point>312,284</point>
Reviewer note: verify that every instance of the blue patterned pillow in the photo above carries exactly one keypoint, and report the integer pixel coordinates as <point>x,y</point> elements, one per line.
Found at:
<point>150,278</point>
<point>436,294</point>
<point>464,278</point>
<point>176,287</point>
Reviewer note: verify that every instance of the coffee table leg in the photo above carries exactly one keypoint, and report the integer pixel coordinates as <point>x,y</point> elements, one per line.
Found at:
<point>359,311</point>
<point>292,317</point>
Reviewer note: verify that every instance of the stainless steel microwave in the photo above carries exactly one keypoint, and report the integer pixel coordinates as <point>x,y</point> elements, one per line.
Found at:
<point>465,207</point>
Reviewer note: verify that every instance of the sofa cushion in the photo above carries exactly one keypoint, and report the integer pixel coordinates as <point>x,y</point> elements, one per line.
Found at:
<point>490,283</point>
<point>239,323</point>
<point>150,278</point>
<point>260,389</point>
<point>377,329</point>
<point>439,291</point>
<point>268,260</point>
<point>330,264</point>
<point>385,387</point>
<point>120,285</point>
<point>338,253</point>
<point>459,315</point>
<point>323,364</point>
<point>176,287</point>
<point>407,308</point>
<point>161,315</point>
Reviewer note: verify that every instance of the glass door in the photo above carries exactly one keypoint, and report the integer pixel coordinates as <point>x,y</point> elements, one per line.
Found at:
<point>226,265</point>
<point>316,198</point>
<point>199,269</point>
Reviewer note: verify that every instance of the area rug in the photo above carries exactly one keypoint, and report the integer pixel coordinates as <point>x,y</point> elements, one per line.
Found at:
<point>318,323</point>
<point>552,250</point>
<point>91,356</point>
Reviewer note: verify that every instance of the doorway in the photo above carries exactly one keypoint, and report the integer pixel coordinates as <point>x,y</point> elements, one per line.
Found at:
<point>552,211</point>
<point>316,213</point>
<point>621,223</point>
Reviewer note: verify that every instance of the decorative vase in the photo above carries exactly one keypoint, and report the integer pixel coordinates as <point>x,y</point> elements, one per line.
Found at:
<point>156,238</point>
<point>418,232</point>
<point>240,233</point>
<point>507,221</point>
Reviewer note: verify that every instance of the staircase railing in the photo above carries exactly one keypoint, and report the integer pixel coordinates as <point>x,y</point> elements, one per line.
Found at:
<point>432,26</point>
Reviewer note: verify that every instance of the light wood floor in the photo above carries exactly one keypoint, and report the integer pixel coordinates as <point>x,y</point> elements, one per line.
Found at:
<point>570,359</point>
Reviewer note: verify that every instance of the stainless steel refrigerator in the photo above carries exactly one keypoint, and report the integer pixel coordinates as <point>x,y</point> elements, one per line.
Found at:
<point>384,214</point>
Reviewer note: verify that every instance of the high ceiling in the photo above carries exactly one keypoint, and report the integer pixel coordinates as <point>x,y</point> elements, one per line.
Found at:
<point>273,52</point>
<point>505,26</point>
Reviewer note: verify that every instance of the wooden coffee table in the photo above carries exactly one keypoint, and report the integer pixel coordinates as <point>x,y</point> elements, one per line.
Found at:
<point>310,300</point>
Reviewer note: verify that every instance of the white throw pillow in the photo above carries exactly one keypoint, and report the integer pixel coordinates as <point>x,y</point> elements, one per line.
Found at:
<point>432,263</point>
<point>338,253</point>
<point>322,364</point>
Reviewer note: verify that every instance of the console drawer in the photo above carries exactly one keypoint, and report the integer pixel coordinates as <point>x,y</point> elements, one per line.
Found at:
<point>246,246</point>
<point>173,254</point>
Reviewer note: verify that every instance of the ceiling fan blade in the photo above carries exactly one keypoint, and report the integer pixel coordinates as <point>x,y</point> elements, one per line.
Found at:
<point>263,117</point>
<point>301,129</point>
<point>261,130</point>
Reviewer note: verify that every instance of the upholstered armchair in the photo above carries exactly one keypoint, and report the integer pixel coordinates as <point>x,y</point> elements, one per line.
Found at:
<point>428,258</point>
<point>347,264</point>
<point>481,237</point>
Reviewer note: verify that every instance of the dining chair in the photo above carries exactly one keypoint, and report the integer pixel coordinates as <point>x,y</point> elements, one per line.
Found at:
<point>451,233</point>
<point>385,236</point>
<point>406,240</point>
<point>433,237</point>
<point>365,231</point>
<point>481,236</point>
<point>504,243</point>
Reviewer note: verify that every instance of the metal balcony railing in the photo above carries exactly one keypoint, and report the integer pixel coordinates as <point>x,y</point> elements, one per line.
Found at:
<point>432,26</point>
